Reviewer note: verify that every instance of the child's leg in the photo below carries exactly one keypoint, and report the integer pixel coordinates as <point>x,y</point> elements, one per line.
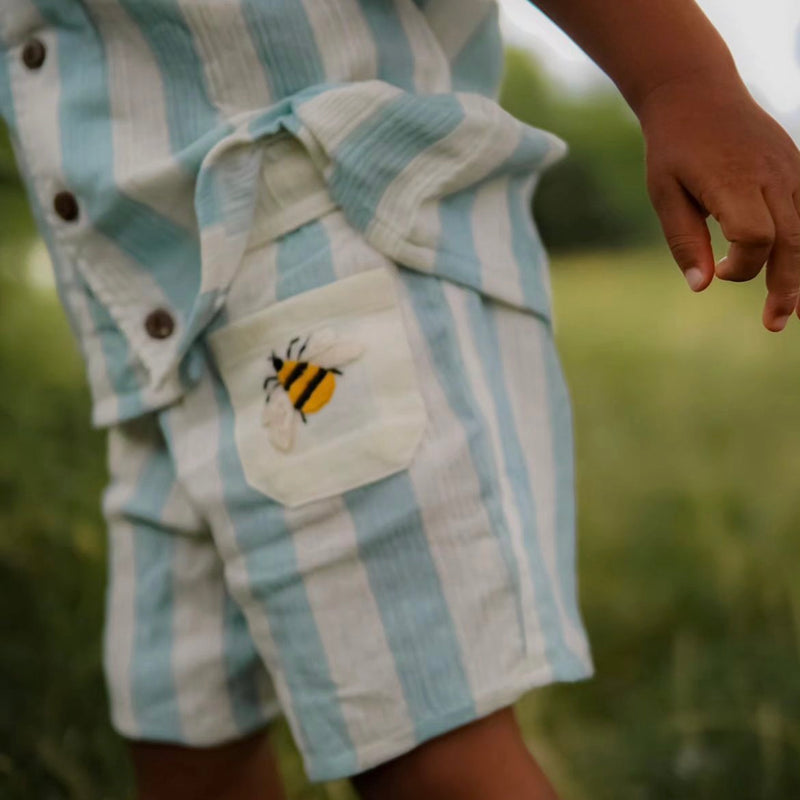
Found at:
<point>484,760</point>
<point>242,770</point>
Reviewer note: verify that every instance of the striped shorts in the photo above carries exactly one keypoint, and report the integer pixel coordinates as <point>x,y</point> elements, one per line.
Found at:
<point>361,516</point>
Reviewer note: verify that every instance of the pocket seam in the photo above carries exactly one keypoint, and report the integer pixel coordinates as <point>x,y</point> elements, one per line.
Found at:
<point>366,448</point>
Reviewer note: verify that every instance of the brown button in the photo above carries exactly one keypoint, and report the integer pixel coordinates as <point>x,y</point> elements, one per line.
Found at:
<point>34,53</point>
<point>159,324</point>
<point>66,206</point>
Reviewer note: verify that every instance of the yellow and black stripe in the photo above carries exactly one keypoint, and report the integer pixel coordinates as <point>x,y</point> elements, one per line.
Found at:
<point>309,386</point>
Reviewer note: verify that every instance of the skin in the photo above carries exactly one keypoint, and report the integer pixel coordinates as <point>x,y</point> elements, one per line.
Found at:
<point>245,769</point>
<point>711,150</point>
<point>483,760</point>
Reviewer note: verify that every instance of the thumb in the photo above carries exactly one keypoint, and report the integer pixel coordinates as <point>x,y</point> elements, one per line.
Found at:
<point>684,225</point>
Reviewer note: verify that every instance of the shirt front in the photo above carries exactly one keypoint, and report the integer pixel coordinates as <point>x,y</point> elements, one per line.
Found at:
<point>139,128</point>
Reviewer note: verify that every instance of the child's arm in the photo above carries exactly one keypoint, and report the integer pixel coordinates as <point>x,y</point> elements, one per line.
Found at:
<point>710,147</point>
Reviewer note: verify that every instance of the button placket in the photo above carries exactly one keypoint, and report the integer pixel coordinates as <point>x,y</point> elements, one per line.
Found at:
<point>159,324</point>
<point>66,206</point>
<point>34,53</point>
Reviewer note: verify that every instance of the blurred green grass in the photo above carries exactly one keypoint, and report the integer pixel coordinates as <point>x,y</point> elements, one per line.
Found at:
<point>687,463</point>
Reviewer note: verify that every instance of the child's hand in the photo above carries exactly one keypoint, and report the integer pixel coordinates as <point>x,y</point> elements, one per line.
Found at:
<point>711,149</point>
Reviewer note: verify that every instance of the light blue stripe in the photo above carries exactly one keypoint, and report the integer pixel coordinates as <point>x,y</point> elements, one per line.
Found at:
<point>402,575</point>
<point>266,544</point>
<point>484,332</point>
<point>116,354</point>
<point>395,56</point>
<point>168,252</point>
<point>373,155</point>
<point>155,699</point>
<point>478,66</point>
<point>304,261</point>
<point>243,668</point>
<point>284,41</point>
<point>527,251</point>
<point>6,98</point>
<point>190,113</point>
<point>456,258</point>
<point>563,453</point>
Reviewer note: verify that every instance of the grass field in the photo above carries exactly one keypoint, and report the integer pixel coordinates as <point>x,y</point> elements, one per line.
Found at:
<point>688,462</point>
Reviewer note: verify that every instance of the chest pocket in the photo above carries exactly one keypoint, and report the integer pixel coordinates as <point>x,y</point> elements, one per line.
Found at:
<point>324,389</point>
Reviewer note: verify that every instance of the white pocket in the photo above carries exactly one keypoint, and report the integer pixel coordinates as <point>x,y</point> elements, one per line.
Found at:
<point>341,408</point>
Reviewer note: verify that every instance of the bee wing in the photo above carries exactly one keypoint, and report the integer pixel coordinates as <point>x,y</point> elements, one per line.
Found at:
<point>328,350</point>
<point>318,342</point>
<point>279,416</point>
<point>340,353</point>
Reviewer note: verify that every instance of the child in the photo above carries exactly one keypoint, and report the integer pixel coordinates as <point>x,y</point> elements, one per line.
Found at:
<point>293,239</point>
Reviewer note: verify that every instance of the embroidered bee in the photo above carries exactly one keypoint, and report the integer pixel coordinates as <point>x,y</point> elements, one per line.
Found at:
<point>304,383</point>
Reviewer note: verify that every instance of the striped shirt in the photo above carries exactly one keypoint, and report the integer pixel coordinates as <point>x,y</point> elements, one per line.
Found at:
<point>137,126</point>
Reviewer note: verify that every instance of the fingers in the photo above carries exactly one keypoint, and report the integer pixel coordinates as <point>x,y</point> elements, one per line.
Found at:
<point>748,225</point>
<point>783,268</point>
<point>684,226</point>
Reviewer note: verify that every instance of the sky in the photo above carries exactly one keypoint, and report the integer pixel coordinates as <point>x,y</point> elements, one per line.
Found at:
<point>762,35</point>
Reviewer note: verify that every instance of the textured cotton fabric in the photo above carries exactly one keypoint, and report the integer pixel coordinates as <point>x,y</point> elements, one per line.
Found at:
<point>381,561</point>
<point>374,618</point>
<point>152,111</point>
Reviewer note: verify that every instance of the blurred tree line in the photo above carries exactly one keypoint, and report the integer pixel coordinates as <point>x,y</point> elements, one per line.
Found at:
<point>596,196</point>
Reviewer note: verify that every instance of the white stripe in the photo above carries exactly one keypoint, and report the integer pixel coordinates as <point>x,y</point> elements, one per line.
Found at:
<point>144,167</point>
<point>522,343</point>
<point>253,287</point>
<point>491,231</point>
<point>127,291</point>
<point>119,627</point>
<point>431,68</point>
<point>457,301</point>
<point>25,19</point>
<point>333,115</point>
<point>343,39</point>
<point>234,72</point>
<point>105,400</point>
<point>198,655</point>
<point>474,577</point>
<point>337,579</point>
<point>455,27</point>
<point>127,455</point>
<point>196,442</point>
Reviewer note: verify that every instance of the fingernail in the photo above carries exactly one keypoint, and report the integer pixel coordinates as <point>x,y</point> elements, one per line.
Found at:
<point>780,322</point>
<point>694,277</point>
